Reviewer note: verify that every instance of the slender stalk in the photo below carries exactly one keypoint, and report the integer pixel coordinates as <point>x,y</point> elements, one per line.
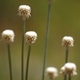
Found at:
<point>51,78</point>
<point>66,60</point>
<point>22,52</point>
<point>46,38</point>
<point>27,65</point>
<point>65,77</point>
<point>67,51</point>
<point>9,58</point>
<point>69,77</point>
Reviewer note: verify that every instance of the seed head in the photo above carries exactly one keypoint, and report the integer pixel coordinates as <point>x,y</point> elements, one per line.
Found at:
<point>52,72</point>
<point>69,69</point>
<point>24,11</point>
<point>68,41</point>
<point>8,36</point>
<point>30,37</point>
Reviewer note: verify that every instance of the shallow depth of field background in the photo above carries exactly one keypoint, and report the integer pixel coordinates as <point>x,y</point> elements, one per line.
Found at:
<point>64,21</point>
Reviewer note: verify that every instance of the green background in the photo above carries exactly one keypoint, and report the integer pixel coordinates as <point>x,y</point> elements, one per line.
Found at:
<point>64,21</point>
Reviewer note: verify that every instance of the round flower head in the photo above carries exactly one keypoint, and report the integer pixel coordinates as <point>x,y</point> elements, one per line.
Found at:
<point>8,36</point>
<point>52,72</point>
<point>68,41</point>
<point>31,36</point>
<point>69,69</point>
<point>24,11</point>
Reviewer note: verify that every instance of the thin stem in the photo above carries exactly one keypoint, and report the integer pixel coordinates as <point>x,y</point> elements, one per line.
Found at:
<point>27,65</point>
<point>67,51</point>
<point>46,38</point>
<point>69,77</point>
<point>66,60</point>
<point>51,78</point>
<point>65,77</point>
<point>9,58</point>
<point>22,52</point>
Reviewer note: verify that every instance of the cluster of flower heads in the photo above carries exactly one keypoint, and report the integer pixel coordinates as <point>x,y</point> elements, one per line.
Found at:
<point>67,69</point>
<point>31,37</point>
<point>8,36</point>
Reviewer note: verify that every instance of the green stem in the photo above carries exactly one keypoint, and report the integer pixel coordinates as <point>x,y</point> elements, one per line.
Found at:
<point>66,60</point>
<point>22,52</point>
<point>46,38</point>
<point>67,52</point>
<point>69,77</point>
<point>65,77</point>
<point>51,78</point>
<point>27,65</point>
<point>9,58</point>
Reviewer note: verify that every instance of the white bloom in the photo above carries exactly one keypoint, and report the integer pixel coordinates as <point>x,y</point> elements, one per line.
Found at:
<point>62,70</point>
<point>52,72</point>
<point>8,36</point>
<point>69,69</point>
<point>31,36</point>
<point>68,41</point>
<point>24,11</point>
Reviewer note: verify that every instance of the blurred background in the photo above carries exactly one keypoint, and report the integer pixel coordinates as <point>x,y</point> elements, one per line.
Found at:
<point>64,21</point>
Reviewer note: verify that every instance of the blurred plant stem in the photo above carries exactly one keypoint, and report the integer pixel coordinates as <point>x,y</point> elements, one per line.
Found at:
<point>9,58</point>
<point>27,65</point>
<point>65,77</point>
<point>69,77</point>
<point>46,38</point>
<point>22,52</point>
<point>67,51</point>
<point>51,78</point>
<point>66,59</point>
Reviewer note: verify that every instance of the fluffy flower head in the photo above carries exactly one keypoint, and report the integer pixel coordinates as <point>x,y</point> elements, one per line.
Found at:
<point>52,72</point>
<point>62,70</point>
<point>68,41</point>
<point>8,36</point>
<point>24,11</point>
<point>30,37</point>
<point>69,69</point>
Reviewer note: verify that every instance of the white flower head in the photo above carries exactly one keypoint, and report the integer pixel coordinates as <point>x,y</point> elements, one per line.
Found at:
<point>24,11</point>
<point>62,70</point>
<point>69,69</point>
<point>30,37</point>
<point>52,72</point>
<point>68,41</point>
<point>8,36</point>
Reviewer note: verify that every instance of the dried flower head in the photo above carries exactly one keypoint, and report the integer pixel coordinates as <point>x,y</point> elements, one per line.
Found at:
<point>8,36</point>
<point>69,69</point>
<point>68,41</point>
<point>52,72</point>
<point>24,11</point>
<point>31,36</point>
